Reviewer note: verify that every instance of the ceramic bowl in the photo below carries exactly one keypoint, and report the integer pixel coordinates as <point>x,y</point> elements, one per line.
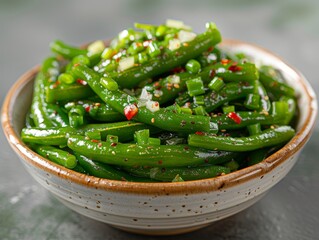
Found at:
<point>163,208</point>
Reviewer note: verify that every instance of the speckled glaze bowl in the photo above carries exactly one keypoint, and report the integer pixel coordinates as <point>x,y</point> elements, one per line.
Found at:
<point>163,208</point>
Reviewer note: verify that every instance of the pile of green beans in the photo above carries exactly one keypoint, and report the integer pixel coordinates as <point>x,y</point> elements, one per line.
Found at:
<point>159,103</point>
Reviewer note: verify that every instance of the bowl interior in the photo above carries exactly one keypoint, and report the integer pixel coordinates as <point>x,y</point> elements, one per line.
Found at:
<point>20,107</point>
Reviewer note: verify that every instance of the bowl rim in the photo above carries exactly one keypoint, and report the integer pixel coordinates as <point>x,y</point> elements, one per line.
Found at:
<point>187,187</point>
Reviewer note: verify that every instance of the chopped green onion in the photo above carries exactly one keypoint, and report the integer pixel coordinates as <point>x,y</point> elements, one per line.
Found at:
<point>228,109</point>
<point>193,66</point>
<point>200,110</point>
<point>195,86</point>
<point>141,137</point>
<point>153,49</point>
<point>142,57</point>
<point>66,78</point>
<point>216,84</point>
<point>135,48</point>
<point>199,100</point>
<point>254,129</point>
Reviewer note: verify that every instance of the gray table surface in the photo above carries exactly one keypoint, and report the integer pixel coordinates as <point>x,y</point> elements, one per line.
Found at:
<point>289,28</point>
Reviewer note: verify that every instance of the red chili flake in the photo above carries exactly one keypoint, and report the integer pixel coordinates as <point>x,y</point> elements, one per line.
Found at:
<point>99,144</point>
<point>82,82</point>
<point>160,162</point>
<point>225,61</point>
<point>234,68</point>
<point>95,141</point>
<point>178,70</point>
<point>156,84</point>
<point>235,117</point>
<point>186,148</point>
<point>130,111</point>
<point>113,144</point>
<point>76,64</point>
<point>88,108</point>
<point>55,85</point>
<point>210,49</point>
<point>199,133</point>
<point>212,73</point>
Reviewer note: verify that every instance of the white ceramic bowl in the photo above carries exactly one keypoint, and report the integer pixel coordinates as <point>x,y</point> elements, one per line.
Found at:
<point>163,208</point>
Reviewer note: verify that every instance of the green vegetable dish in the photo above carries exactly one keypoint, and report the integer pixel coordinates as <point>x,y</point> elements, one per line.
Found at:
<point>157,103</point>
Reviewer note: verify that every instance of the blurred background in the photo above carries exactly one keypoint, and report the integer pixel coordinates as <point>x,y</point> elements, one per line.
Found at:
<point>289,28</point>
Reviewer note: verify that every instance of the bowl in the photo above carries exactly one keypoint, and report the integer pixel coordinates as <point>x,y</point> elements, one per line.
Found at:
<point>163,208</point>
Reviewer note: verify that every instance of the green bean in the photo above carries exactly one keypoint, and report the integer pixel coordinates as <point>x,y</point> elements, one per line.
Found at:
<point>267,138</point>
<point>186,173</point>
<point>58,92</point>
<point>120,101</point>
<point>143,155</point>
<point>292,108</point>
<point>230,92</point>
<point>168,61</point>
<point>98,111</point>
<point>264,99</point>
<point>47,136</point>
<point>259,155</point>
<point>194,111</point>
<point>45,114</point>
<point>231,72</point>
<point>59,135</point>
<point>124,130</point>
<point>247,118</point>
<point>101,170</point>
<point>65,50</point>
<point>269,78</point>
<point>56,155</point>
